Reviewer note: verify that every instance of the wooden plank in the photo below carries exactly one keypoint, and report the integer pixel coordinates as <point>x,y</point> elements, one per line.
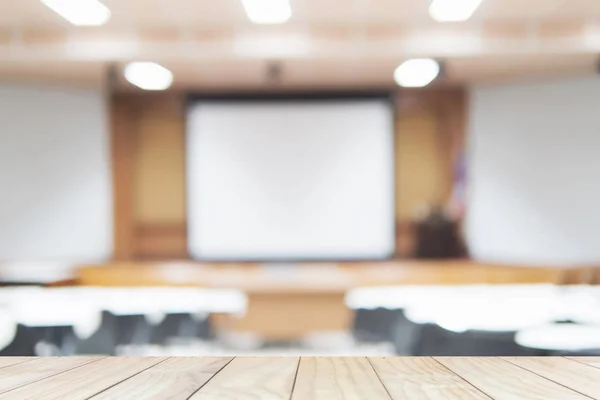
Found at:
<point>593,361</point>
<point>579,377</point>
<point>330,378</point>
<point>175,378</point>
<point>249,378</point>
<point>83,382</point>
<point>8,361</point>
<point>123,151</point>
<point>422,378</point>
<point>502,380</point>
<point>21,374</point>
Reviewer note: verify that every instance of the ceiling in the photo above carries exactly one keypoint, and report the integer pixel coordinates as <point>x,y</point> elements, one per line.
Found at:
<point>211,45</point>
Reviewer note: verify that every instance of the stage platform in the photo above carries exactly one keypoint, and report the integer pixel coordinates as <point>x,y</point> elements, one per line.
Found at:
<point>318,277</point>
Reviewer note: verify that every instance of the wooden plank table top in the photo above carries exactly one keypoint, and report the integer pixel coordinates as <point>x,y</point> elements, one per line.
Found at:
<point>305,378</point>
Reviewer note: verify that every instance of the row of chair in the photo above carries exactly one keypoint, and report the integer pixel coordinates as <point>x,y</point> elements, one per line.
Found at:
<point>480,320</point>
<point>418,320</point>
<point>90,320</point>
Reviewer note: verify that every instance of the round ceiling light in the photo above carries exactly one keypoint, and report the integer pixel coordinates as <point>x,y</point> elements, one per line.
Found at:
<point>148,75</point>
<point>453,10</point>
<point>268,12</point>
<point>417,72</point>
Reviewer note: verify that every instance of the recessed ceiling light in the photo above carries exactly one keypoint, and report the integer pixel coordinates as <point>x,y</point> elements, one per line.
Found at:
<point>417,72</point>
<point>453,10</point>
<point>268,11</point>
<point>148,75</point>
<point>80,12</point>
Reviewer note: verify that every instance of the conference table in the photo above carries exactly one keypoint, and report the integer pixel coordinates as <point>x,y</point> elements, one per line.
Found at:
<point>306,378</point>
<point>289,301</point>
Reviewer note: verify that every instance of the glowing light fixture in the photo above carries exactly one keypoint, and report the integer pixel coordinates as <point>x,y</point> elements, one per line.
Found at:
<point>268,11</point>
<point>148,75</point>
<point>80,12</point>
<point>453,10</point>
<point>417,72</point>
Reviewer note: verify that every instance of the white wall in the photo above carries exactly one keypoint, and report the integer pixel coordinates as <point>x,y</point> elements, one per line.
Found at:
<point>55,196</point>
<point>534,173</point>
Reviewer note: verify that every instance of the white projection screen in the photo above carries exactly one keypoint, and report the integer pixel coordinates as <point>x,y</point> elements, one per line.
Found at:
<point>290,179</point>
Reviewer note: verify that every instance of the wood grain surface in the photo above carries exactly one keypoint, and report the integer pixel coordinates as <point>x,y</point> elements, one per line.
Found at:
<point>422,378</point>
<point>84,381</point>
<point>249,378</point>
<point>176,378</point>
<point>502,380</point>
<point>593,361</point>
<point>332,378</point>
<point>8,361</point>
<point>18,375</point>
<point>581,377</point>
<point>306,378</point>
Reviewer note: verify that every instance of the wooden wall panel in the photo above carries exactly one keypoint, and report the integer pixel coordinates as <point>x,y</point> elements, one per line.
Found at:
<point>160,162</point>
<point>123,145</point>
<point>161,241</point>
<point>420,165</point>
<point>148,157</point>
<point>149,166</point>
<point>159,184</point>
<point>430,133</point>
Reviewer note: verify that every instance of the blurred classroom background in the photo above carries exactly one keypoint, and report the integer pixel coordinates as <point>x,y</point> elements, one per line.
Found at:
<point>306,177</point>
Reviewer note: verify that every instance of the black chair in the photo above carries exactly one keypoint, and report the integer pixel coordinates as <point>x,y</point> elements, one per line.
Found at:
<point>61,337</point>
<point>29,341</point>
<point>172,326</point>
<point>180,326</point>
<point>579,353</point>
<point>102,341</point>
<point>132,330</point>
<point>23,343</point>
<point>436,341</point>
<point>405,334</point>
<point>375,325</point>
<point>204,329</point>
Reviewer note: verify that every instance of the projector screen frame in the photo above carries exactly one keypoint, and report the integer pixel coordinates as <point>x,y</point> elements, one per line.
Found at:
<point>278,97</point>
